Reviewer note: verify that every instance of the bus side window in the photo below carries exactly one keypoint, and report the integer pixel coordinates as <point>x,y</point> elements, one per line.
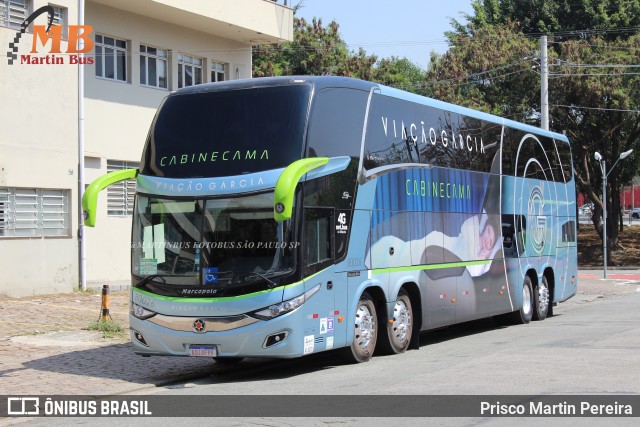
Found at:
<point>319,237</point>
<point>509,244</point>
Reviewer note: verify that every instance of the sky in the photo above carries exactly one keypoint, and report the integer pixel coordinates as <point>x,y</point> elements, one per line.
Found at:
<point>403,28</point>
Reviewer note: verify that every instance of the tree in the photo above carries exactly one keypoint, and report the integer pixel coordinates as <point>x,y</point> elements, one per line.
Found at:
<point>593,91</point>
<point>400,73</point>
<point>600,113</point>
<point>489,70</point>
<point>557,16</point>
<point>320,50</point>
<point>316,50</point>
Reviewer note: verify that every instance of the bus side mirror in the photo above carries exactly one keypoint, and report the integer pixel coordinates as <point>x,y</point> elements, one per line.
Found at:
<point>286,185</point>
<point>90,196</point>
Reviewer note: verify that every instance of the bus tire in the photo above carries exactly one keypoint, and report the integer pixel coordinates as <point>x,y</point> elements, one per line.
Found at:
<point>396,335</point>
<point>525,313</point>
<point>365,332</point>
<point>541,300</point>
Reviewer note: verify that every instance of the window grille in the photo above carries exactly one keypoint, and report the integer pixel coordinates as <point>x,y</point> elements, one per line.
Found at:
<point>120,196</point>
<point>34,212</point>
<point>13,12</point>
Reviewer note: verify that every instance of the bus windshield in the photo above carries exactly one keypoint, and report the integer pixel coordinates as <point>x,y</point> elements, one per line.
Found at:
<point>211,242</point>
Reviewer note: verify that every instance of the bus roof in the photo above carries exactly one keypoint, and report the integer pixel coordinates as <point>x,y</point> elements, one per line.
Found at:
<point>320,82</point>
<point>411,97</point>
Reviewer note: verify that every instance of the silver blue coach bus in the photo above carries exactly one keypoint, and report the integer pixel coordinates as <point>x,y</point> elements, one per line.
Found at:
<point>280,217</point>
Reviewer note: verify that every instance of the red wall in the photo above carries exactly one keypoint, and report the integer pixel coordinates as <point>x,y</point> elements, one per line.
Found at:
<point>625,198</point>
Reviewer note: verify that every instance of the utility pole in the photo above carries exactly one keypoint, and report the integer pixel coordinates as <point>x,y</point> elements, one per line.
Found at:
<point>82,256</point>
<point>544,87</point>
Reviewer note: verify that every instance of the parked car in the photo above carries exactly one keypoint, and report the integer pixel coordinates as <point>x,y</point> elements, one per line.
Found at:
<point>585,209</point>
<point>635,213</point>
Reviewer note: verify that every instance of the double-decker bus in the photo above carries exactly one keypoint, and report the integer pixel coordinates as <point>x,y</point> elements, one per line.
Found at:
<point>280,217</point>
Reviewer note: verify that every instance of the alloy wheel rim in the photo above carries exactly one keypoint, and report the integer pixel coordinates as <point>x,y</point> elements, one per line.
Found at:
<point>364,327</point>
<point>401,321</point>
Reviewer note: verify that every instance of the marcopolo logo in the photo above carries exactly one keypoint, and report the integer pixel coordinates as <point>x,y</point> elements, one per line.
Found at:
<point>47,41</point>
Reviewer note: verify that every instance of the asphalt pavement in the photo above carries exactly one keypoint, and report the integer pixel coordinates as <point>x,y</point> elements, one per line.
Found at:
<point>46,348</point>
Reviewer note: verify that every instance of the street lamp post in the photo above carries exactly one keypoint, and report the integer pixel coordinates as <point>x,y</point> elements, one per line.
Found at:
<point>603,169</point>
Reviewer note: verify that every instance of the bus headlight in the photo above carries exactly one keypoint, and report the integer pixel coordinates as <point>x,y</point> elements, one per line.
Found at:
<point>141,312</point>
<point>284,307</point>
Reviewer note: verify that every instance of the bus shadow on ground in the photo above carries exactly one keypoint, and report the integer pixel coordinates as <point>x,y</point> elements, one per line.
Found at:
<point>469,328</point>
<point>115,363</point>
<point>459,330</point>
<point>269,369</point>
<point>119,363</point>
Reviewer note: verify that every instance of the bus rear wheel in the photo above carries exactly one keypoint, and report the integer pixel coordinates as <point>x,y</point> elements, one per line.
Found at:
<point>399,329</point>
<point>365,331</point>
<point>541,300</point>
<point>525,313</point>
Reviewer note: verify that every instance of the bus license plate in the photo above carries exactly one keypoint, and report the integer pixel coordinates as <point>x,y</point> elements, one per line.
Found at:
<point>198,350</point>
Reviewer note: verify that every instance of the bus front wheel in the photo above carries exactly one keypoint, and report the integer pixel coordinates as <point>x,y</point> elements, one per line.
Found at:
<point>399,329</point>
<point>365,331</point>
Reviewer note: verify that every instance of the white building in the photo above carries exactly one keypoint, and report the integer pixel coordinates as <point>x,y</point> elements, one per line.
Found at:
<point>143,49</point>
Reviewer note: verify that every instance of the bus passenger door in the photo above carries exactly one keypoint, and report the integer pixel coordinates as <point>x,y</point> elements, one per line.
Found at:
<point>318,259</point>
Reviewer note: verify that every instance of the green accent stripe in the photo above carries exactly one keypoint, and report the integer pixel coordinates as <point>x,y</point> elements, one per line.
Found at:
<point>430,266</point>
<point>222,299</point>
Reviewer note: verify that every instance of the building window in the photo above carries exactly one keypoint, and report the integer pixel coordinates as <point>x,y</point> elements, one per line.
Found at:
<point>34,212</point>
<point>120,195</point>
<point>189,70</point>
<point>14,12</point>
<point>153,66</point>
<point>218,73</point>
<point>60,18</point>
<point>111,58</point>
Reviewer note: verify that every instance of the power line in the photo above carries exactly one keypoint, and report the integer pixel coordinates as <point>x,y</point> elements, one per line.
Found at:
<point>482,73</point>
<point>558,75</point>
<point>596,108</point>
<point>574,65</point>
<point>600,46</point>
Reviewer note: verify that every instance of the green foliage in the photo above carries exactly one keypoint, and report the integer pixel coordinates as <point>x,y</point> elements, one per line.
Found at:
<point>315,50</point>
<point>109,328</point>
<point>319,50</point>
<point>493,65</point>
<point>594,92</point>
<point>610,123</point>
<point>552,16</point>
<point>400,73</point>
<point>488,71</point>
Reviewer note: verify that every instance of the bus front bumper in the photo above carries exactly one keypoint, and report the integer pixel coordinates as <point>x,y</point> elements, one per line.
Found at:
<point>256,338</point>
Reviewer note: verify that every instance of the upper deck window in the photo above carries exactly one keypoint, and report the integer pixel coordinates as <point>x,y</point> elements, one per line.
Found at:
<point>401,132</point>
<point>226,133</point>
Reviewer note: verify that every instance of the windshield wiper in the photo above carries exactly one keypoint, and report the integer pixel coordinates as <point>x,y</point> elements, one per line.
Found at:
<point>271,283</point>
<point>145,279</point>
